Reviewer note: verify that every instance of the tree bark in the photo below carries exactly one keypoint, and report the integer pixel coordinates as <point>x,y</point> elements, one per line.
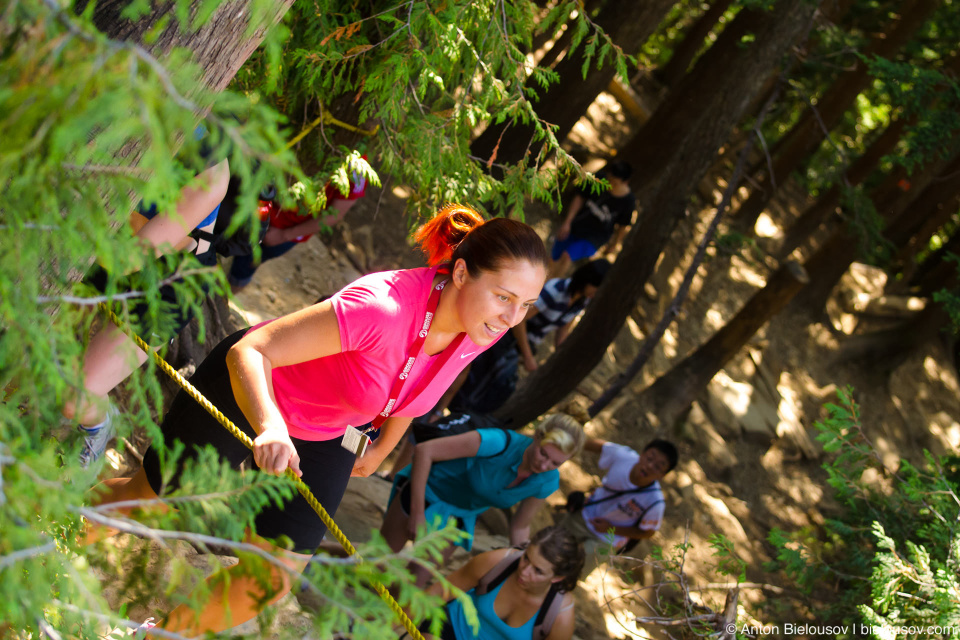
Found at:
<point>670,155</point>
<point>805,136</point>
<point>811,219</point>
<point>672,393</point>
<point>220,47</point>
<point>926,277</point>
<point>629,24</point>
<point>687,50</point>
<point>935,206</point>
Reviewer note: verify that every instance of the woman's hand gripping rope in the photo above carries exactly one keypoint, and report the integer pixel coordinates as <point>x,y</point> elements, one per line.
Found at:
<point>304,490</point>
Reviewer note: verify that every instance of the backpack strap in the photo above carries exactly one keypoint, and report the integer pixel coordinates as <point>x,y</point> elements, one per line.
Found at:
<point>492,579</point>
<point>616,494</point>
<point>633,542</point>
<point>651,506</point>
<point>200,234</point>
<point>548,613</point>
<point>505,446</point>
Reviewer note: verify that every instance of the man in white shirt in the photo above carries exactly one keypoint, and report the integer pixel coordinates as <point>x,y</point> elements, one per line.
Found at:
<point>629,504</point>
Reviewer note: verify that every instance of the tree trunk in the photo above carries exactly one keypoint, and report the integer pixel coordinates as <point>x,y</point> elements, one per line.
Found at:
<point>219,47</point>
<point>805,136</point>
<point>676,146</point>
<point>832,260</point>
<point>886,350</point>
<point>687,50</point>
<point>672,393</point>
<point>936,270</point>
<point>629,24</point>
<point>811,219</point>
<point>935,206</point>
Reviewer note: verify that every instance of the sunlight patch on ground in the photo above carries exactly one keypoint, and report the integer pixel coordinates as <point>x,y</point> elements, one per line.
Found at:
<point>888,452</point>
<point>401,191</point>
<point>741,272</point>
<point>669,344</point>
<point>714,318</point>
<point>602,586</point>
<point>936,372</point>
<point>715,509</point>
<point>634,329</point>
<point>767,228</point>
<point>943,426</point>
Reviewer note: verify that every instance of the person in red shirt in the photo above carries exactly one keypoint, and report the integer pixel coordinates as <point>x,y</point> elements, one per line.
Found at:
<point>288,227</point>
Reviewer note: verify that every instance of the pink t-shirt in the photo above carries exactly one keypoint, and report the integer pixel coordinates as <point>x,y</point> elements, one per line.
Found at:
<point>379,316</point>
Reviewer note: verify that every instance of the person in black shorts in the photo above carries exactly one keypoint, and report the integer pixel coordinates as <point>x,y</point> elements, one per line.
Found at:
<point>111,356</point>
<point>592,220</point>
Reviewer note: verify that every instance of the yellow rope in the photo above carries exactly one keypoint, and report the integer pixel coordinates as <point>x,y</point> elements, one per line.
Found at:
<point>248,443</point>
<point>326,118</point>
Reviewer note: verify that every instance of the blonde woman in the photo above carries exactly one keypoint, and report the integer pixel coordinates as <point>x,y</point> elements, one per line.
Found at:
<point>464,475</point>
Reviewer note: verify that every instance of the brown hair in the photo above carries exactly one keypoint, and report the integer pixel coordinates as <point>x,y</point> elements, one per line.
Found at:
<point>458,231</point>
<point>564,552</point>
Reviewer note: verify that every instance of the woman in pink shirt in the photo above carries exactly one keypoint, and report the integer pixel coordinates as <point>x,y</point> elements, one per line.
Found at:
<point>385,348</point>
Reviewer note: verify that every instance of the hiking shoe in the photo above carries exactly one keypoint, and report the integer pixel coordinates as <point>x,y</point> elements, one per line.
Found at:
<point>141,631</point>
<point>96,437</point>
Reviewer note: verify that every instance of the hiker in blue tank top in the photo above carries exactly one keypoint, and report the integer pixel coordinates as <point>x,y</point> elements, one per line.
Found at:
<point>519,594</point>
<point>628,506</point>
<point>462,476</point>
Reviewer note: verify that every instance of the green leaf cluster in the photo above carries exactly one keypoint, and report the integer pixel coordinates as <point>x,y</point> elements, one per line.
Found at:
<point>892,550</point>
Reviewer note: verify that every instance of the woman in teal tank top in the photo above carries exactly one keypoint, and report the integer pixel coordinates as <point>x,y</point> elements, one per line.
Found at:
<point>518,594</point>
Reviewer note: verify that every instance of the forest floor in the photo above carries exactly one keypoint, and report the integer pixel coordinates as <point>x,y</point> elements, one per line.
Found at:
<point>749,460</point>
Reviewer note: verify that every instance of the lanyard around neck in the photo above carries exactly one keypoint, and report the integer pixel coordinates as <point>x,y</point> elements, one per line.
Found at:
<point>401,378</point>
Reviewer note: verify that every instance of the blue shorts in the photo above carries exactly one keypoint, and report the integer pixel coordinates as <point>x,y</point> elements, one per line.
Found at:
<point>576,248</point>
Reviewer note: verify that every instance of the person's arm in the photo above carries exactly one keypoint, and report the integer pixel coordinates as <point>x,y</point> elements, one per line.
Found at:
<point>304,335</point>
<point>561,334</point>
<point>468,576</point>
<point>594,444</point>
<point>447,396</point>
<point>565,621</point>
<point>616,242</point>
<point>605,526</point>
<point>464,445</point>
<point>275,236</point>
<point>197,200</point>
<point>575,205</point>
<point>520,333</point>
<point>391,431</point>
<point>520,525</point>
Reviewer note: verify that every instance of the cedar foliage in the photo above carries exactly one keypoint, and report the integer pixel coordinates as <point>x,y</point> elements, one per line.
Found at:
<point>893,550</point>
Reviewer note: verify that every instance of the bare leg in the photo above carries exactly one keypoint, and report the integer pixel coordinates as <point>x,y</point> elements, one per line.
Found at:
<point>404,457</point>
<point>238,598</point>
<point>394,527</point>
<point>111,357</point>
<point>394,531</point>
<point>119,490</point>
<point>423,575</point>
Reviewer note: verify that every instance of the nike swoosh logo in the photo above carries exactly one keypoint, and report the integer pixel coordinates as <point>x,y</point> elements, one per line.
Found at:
<point>467,355</point>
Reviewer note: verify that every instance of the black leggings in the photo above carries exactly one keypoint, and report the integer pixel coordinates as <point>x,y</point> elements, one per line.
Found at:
<point>325,464</point>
